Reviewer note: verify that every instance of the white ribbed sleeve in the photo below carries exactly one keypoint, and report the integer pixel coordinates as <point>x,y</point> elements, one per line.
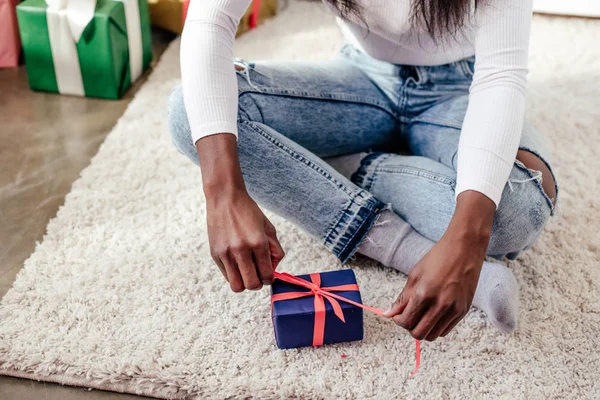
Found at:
<point>492,127</point>
<point>207,72</point>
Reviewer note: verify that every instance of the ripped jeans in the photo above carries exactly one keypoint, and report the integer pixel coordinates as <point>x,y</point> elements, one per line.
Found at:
<point>293,115</point>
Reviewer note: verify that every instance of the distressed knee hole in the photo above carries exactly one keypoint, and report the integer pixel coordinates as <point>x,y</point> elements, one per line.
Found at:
<point>540,171</point>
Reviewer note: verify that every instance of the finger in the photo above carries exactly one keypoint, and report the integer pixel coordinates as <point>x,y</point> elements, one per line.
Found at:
<point>410,317</point>
<point>451,326</point>
<point>233,274</point>
<point>275,248</point>
<point>427,322</point>
<point>262,260</point>
<point>277,252</point>
<point>398,306</point>
<point>221,267</point>
<point>440,326</point>
<point>248,271</point>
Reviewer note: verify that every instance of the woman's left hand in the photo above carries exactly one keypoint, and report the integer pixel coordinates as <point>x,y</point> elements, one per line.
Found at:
<point>440,288</point>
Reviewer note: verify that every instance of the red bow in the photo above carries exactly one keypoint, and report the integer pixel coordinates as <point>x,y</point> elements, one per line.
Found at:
<point>322,293</point>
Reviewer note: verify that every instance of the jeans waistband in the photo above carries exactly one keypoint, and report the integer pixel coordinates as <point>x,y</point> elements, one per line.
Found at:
<point>460,70</point>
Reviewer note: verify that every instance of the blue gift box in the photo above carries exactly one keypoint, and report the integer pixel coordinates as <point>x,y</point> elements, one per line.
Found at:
<point>294,319</point>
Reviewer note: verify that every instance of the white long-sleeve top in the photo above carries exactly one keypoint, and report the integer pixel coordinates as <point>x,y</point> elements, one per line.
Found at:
<point>497,33</point>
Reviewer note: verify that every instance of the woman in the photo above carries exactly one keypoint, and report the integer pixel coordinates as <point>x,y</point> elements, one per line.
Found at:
<point>409,148</point>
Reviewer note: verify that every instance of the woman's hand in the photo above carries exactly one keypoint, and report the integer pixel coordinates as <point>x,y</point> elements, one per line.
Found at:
<point>243,242</point>
<point>440,288</point>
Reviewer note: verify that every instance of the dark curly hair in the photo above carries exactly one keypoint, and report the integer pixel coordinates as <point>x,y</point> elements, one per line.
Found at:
<point>437,16</point>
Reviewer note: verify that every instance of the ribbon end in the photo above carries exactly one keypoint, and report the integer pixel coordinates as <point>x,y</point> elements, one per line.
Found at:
<point>418,359</point>
<point>337,309</point>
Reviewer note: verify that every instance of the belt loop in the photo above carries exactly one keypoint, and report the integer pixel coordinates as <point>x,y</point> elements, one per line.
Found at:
<point>421,74</point>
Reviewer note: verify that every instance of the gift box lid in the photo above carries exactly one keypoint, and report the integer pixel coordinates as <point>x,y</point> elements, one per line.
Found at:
<point>306,305</point>
<point>108,9</point>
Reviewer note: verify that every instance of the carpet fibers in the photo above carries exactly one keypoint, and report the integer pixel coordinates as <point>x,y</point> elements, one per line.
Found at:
<point>121,294</point>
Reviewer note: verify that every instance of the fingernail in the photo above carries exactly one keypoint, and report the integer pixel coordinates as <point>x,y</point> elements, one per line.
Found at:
<point>387,312</point>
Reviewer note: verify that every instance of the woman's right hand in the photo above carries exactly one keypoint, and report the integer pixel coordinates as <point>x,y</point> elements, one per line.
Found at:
<point>243,242</point>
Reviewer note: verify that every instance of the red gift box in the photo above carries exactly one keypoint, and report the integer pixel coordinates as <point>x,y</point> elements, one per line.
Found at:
<point>10,43</point>
<point>184,8</point>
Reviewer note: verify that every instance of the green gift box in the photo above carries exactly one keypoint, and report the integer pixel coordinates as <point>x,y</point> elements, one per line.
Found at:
<point>92,48</point>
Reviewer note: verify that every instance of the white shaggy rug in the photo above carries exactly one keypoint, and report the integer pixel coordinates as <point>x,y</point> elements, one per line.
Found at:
<point>122,295</point>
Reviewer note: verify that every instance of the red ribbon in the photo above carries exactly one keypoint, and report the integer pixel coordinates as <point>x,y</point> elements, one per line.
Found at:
<point>322,293</point>
<point>255,13</point>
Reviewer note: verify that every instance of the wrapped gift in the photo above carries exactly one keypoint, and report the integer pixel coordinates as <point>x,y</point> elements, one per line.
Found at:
<point>10,45</point>
<point>316,309</point>
<point>93,48</point>
<point>167,14</point>
<point>170,14</point>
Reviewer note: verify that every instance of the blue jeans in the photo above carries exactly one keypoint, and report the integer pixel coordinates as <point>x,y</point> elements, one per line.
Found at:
<point>293,115</point>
